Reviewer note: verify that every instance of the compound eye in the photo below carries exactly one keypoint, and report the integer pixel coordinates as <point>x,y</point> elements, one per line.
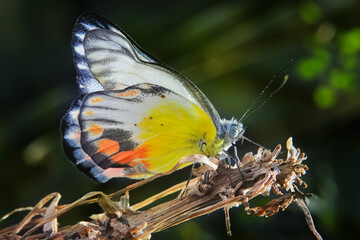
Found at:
<point>233,131</point>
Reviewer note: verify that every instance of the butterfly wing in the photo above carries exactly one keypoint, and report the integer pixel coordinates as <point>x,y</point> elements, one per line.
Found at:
<point>107,59</point>
<point>136,132</point>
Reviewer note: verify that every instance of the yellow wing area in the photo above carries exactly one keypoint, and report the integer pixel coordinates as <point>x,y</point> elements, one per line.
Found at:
<point>144,130</point>
<point>173,130</point>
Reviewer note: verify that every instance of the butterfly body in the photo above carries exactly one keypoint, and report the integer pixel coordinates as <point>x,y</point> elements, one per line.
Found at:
<point>135,116</point>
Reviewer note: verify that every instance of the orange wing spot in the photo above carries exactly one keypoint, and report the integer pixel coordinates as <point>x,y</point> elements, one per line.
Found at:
<point>97,99</point>
<point>146,164</point>
<point>129,93</point>
<point>89,112</point>
<point>108,147</point>
<point>127,156</point>
<point>95,129</point>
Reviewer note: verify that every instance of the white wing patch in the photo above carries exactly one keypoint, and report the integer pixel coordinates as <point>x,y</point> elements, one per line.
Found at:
<point>113,60</point>
<point>79,49</point>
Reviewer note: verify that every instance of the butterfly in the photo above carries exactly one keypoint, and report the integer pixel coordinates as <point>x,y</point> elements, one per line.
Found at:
<point>135,116</point>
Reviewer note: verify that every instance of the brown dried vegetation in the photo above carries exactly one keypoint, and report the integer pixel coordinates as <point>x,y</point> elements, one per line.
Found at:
<point>211,190</point>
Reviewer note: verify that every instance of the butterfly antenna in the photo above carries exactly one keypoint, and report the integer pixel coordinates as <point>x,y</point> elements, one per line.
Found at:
<point>270,96</point>
<point>250,110</point>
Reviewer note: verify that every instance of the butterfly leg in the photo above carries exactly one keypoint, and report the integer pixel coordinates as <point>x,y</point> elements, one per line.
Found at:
<point>229,172</point>
<point>237,162</point>
<point>237,159</point>
<point>187,183</point>
<point>191,174</point>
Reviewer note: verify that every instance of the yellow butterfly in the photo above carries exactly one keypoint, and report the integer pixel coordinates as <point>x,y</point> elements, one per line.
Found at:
<point>135,116</point>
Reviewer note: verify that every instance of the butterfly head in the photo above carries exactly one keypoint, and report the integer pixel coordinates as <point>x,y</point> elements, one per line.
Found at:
<point>231,131</point>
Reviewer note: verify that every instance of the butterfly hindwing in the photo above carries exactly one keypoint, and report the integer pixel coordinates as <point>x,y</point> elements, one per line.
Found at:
<point>141,130</point>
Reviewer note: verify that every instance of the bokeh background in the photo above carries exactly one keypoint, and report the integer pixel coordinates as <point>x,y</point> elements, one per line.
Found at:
<point>230,49</point>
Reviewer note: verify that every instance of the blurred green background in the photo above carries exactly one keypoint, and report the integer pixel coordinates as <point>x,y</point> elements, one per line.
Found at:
<point>230,49</point>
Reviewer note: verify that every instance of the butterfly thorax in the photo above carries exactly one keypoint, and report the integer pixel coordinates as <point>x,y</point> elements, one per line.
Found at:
<point>230,131</point>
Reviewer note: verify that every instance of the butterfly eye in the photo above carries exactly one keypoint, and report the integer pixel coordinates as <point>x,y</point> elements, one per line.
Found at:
<point>233,131</point>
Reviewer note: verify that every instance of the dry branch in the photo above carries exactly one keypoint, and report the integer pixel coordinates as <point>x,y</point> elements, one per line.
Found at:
<point>211,190</point>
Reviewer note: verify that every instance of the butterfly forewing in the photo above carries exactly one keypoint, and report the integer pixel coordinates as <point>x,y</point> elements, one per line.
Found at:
<point>106,56</point>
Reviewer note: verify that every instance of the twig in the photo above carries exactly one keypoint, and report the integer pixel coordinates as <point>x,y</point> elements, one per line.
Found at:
<point>210,191</point>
